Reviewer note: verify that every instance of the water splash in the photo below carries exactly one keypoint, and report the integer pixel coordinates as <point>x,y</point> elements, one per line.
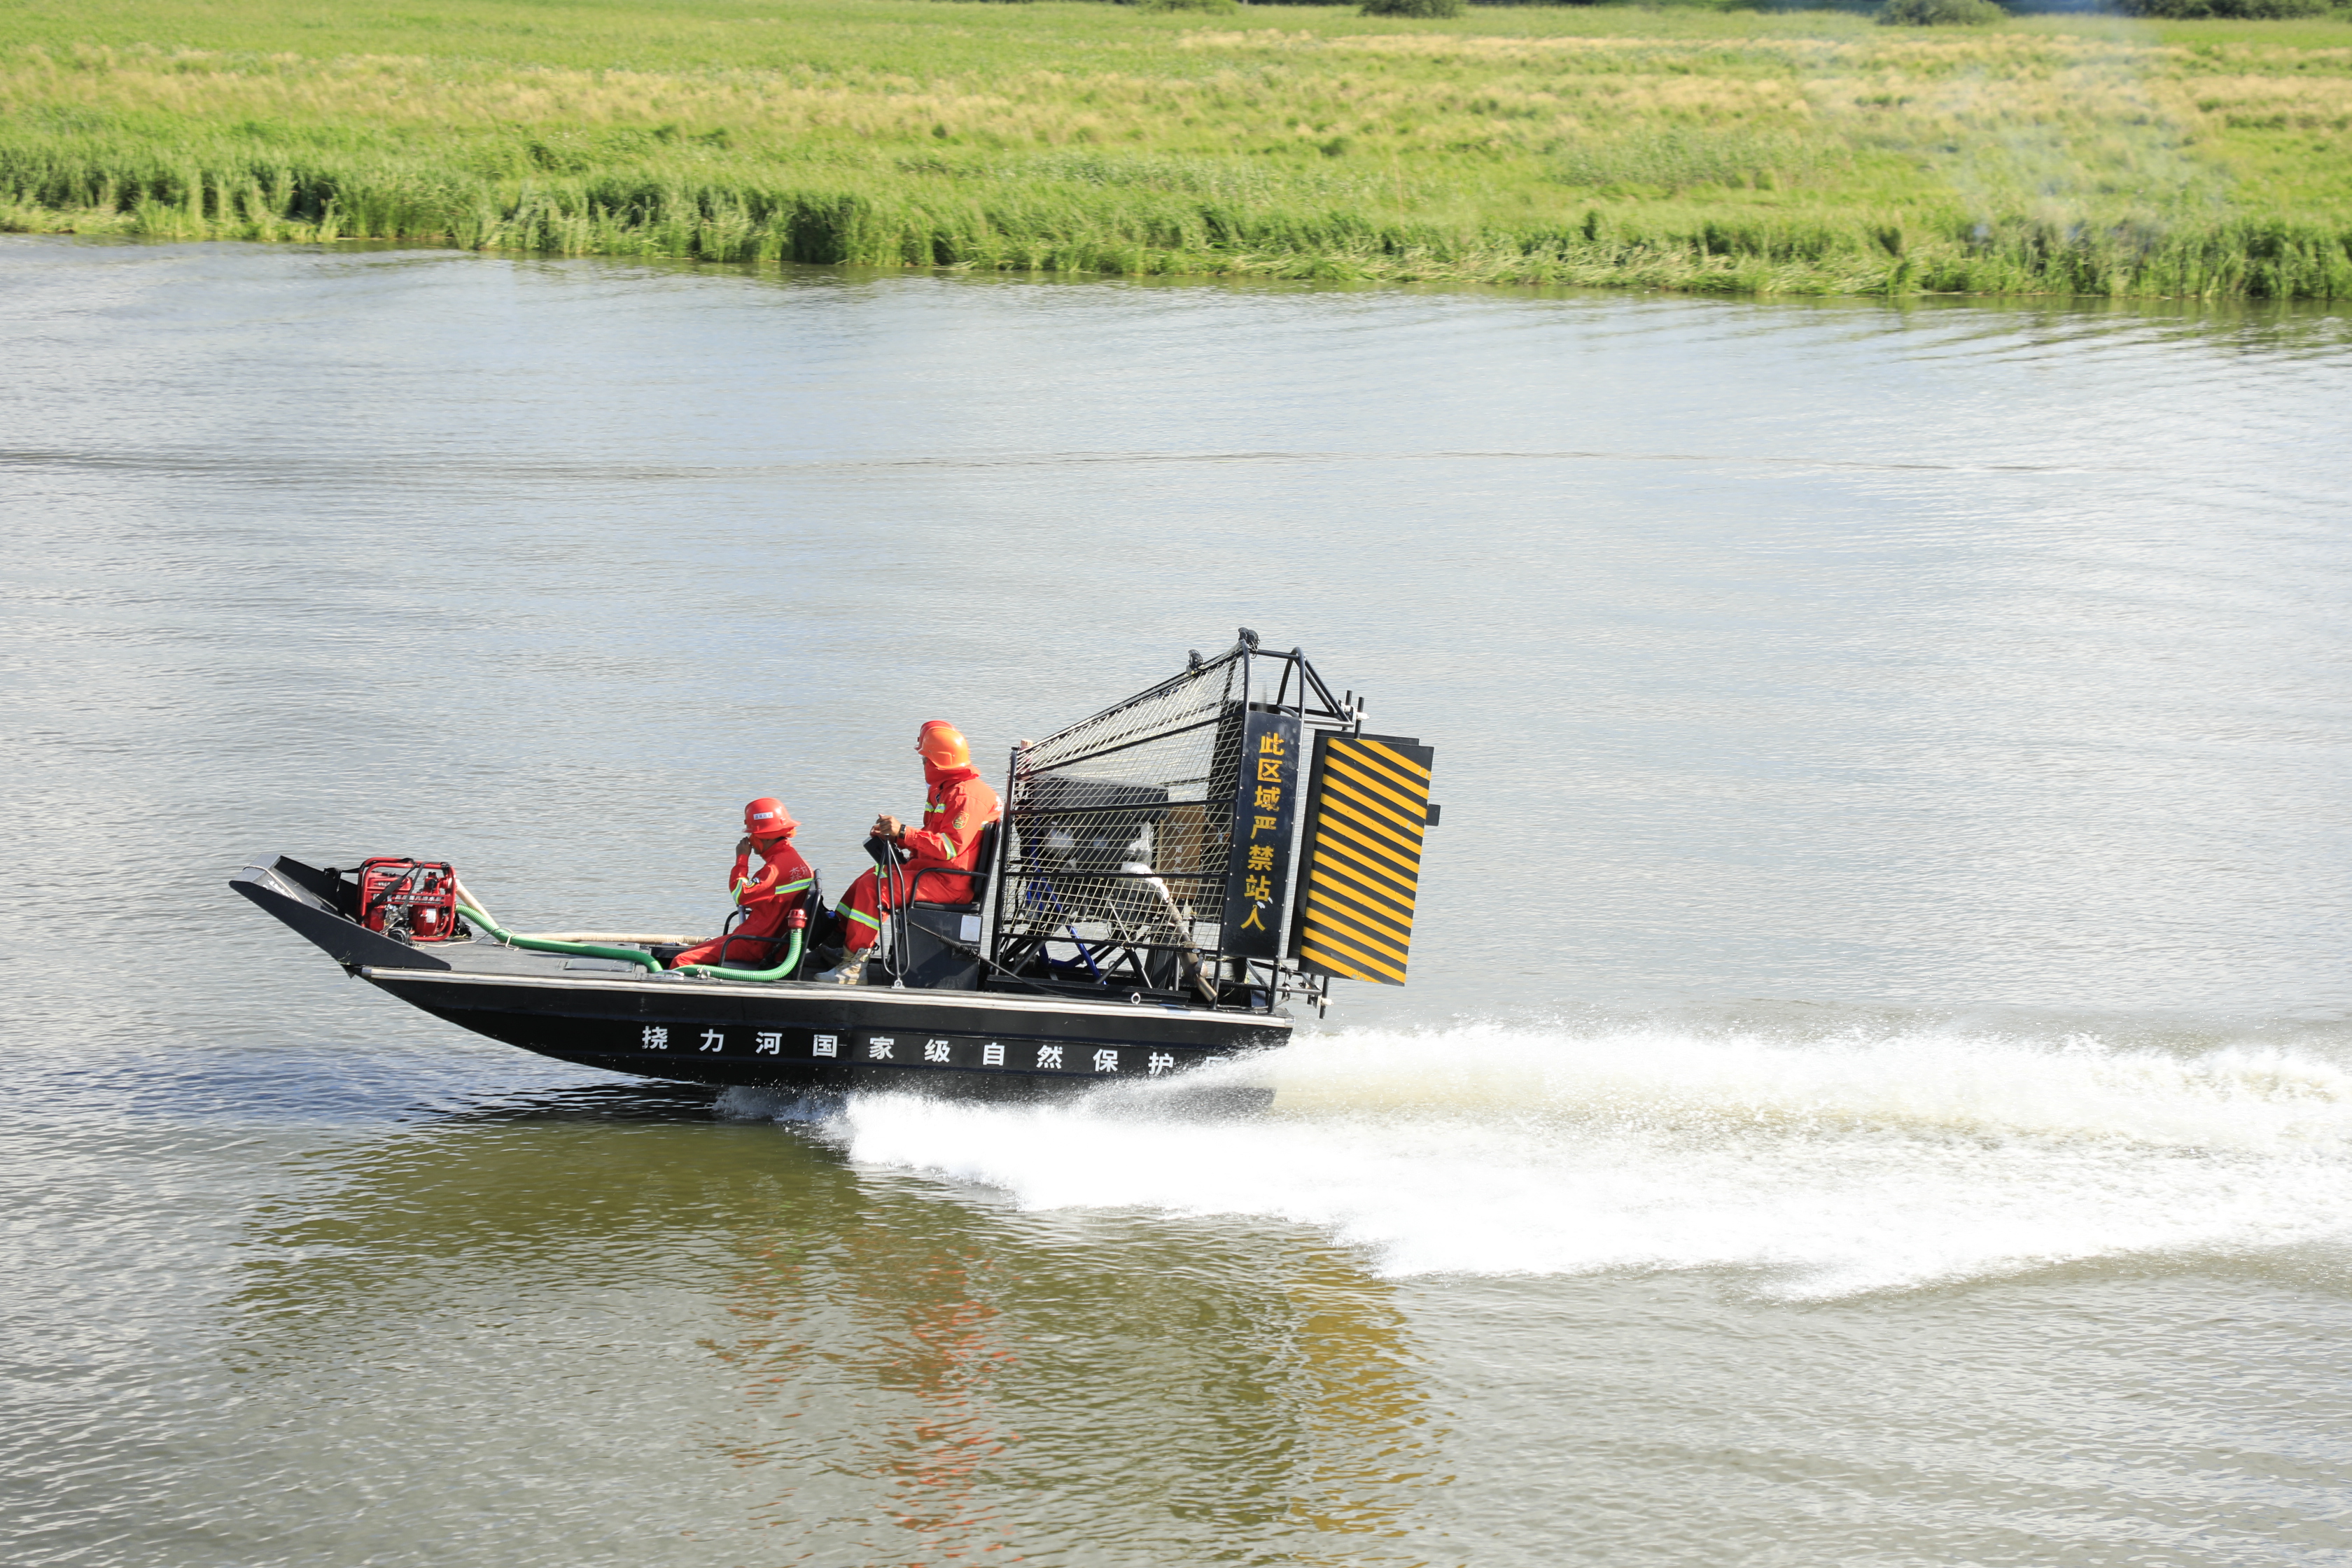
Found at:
<point>1810,1168</point>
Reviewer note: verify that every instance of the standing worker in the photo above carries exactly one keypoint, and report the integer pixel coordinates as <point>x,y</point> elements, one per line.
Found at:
<point>767,898</point>
<point>947,844</point>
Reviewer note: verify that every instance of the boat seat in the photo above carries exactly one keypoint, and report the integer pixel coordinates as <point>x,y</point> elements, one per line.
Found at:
<point>761,952</point>
<point>938,938</point>
<point>985,863</point>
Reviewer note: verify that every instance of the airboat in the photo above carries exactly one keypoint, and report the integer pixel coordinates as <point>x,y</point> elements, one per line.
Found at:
<point>1171,878</point>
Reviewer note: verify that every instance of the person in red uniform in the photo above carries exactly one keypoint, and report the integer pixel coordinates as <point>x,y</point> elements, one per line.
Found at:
<point>767,897</point>
<point>959,804</point>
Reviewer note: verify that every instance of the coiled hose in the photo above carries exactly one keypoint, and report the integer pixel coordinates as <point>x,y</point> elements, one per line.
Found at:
<point>578,949</point>
<point>713,972</point>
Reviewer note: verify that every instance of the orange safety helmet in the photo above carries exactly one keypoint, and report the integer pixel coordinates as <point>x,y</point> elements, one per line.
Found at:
<point>767,818</point>
<point>943,745</point>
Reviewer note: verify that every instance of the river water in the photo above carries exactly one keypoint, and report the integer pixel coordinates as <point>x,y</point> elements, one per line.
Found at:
<point>1876,1086</point>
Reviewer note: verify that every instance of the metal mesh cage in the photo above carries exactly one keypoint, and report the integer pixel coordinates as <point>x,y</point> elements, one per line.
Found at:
<point>1117,828</point>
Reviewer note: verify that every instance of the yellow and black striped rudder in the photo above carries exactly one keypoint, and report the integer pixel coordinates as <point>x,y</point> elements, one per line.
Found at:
<point>1367,806</point>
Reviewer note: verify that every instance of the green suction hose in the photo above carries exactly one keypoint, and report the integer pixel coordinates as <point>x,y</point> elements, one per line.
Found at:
<point>578,949</point>
<point>712,971</point>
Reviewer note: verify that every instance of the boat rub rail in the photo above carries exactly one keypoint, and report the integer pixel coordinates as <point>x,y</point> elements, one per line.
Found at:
<point>1275,1022</point>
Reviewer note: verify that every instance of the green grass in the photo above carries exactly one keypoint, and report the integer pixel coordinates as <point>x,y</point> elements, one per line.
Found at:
<point>1690,148</point>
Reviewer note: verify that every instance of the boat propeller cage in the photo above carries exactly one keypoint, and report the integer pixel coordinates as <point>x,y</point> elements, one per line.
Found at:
<point>1228,838</point>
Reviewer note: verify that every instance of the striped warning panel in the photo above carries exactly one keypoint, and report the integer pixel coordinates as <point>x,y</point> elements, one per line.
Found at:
<point>1367,808</point>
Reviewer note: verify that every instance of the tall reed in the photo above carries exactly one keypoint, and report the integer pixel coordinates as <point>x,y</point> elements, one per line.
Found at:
<point>1498,149</point>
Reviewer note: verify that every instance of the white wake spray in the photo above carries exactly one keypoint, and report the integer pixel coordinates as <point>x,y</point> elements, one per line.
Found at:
<point>1815,1168</point>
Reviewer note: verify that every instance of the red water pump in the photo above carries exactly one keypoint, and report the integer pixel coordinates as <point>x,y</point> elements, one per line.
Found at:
<point>413,898</point>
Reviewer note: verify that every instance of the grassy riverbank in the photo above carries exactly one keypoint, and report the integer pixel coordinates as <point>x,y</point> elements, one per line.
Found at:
<point>1732,150</point>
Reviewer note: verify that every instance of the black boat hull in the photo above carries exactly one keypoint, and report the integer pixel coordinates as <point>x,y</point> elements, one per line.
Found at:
<point>830,1038</point>
<point>786,1036</point>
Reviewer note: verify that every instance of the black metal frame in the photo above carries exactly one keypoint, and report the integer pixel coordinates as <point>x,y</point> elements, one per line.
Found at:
<point>1133,960</point>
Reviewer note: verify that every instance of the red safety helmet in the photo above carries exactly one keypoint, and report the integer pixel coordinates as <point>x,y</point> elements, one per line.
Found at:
<point>943,745</point>
<point>767,818</point>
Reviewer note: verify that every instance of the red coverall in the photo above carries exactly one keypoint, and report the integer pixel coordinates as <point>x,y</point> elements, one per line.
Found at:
<point>961,804</point>
<point>784,878</point>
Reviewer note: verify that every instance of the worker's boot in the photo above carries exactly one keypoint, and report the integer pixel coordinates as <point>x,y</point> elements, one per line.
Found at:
<point>850,971</point>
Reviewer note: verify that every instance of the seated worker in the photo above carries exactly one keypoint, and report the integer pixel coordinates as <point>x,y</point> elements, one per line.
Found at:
<point>959,804</point>
<point>783,877</point>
